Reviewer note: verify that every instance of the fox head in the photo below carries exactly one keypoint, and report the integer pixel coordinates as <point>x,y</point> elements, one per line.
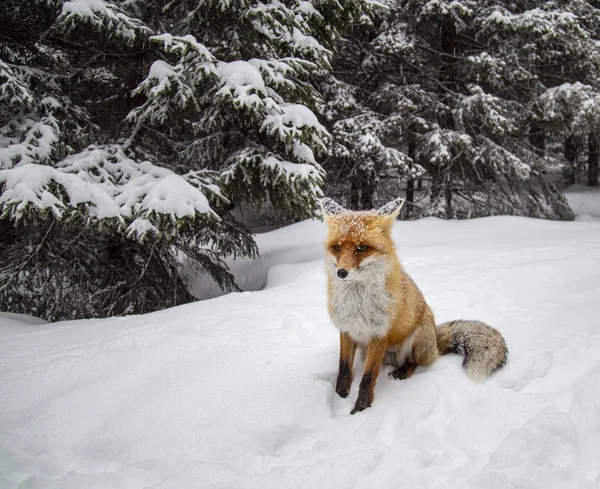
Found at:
<point>359,244</point>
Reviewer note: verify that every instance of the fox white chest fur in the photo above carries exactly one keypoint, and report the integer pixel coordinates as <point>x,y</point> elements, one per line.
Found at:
<point>360,306</point>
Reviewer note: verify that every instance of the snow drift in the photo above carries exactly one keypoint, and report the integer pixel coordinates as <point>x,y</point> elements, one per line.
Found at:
<point>238,391</point>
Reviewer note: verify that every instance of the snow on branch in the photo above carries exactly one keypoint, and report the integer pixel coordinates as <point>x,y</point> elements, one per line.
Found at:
<point>101,182</point>
<point>193,55</point>
<point>588,117</point>
<point>292,121</point>
<point>363,137</point>
<point>252,93</point>
<point>441,146</point>
<point>258,85</point>
<point>170,88</point>
<point>574,105</point>
<point>394,41</point>
<point>282,25</point>
<point>17,90</point>
<point>14,91</point>
<point>535,21</point>
<point>457,10</point>
<point>282,74</point>
<point>542,28</point>
<point>28,140</point>
<point>482,111</point>
<point>500,159</point>
<point>35,186</point>
<point>292,171</point>
<point>102,16</point>
<point>287,184</point>
<point>242,82</point>
<point>269,165</point>
<point>166,89</point>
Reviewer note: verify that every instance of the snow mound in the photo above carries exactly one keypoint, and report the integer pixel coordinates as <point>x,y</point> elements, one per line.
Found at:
<point>238,391</point>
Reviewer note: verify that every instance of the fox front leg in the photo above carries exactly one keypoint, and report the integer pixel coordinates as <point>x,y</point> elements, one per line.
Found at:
<point>375,353</point>
<point>347,351</point>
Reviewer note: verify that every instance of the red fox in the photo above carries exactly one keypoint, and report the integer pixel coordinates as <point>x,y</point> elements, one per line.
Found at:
<point>379,309</point>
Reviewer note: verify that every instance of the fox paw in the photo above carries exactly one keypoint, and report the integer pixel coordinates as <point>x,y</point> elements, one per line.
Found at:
<point>342,386</point>
<point>360,406</point>
<point>342,390</point>
<point>402,373</point>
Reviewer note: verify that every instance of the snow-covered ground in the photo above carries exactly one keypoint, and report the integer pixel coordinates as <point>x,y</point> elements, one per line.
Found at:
<point>237,391</point>
<point>585,201</point>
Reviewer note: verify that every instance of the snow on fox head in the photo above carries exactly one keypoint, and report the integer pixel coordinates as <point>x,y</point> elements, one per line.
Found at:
<point>359,243</point>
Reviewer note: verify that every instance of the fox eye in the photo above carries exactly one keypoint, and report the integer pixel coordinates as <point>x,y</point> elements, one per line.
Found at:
<point>361,248</point>
<point>337,247</point>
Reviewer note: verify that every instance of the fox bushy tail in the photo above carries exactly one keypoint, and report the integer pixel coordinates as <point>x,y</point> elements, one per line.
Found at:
<point>483,348</point>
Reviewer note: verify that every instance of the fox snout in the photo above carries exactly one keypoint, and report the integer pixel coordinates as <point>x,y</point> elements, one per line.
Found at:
<point>342,273</point>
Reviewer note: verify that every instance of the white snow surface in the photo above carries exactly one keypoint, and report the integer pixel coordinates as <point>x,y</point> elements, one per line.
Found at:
<point>238,391</point>
<point>584,200</point>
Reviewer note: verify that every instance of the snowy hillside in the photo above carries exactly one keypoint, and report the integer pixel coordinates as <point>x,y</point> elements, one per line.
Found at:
<point>237,391</point>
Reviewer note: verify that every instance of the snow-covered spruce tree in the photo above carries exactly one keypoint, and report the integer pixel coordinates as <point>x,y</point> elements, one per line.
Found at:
<point>552,44</point>
<point>89,226</point>
<point>235,94</point>
<point>457,77</point>
<point>102,193</point>
<point>573,110</point>
<point>570,110</point>
<point>368,145</point>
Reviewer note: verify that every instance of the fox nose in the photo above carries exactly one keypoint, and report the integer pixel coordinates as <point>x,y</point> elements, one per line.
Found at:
<point>342,273</point>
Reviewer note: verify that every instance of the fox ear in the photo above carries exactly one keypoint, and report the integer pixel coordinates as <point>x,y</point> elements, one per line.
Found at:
<point>330,207</point>
<point>392,209</point>
<point>390,212</point>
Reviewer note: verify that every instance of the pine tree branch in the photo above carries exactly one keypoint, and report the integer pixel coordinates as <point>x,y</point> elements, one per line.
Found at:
<point>31,257</point>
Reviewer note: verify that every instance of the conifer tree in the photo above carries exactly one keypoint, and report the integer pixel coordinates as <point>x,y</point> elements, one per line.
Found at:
<point>128,132</point>
<point>459,79</point>
<point>571,109</point>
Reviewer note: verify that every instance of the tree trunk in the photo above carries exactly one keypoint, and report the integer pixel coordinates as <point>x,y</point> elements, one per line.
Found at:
<point>571,156</point>
<point>410,183</point>
<point>410,195</point>
<point>354,190</point>
<point>537,138</point>
<point>362,188</point>
<point>446,71</point>
<point>448,195</point>
<point>437,182</point>
<point>593,148</point>
<point>447,88</point>
<point>369,184</point>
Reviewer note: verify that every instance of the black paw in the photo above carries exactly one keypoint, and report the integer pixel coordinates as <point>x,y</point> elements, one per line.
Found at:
<point>342,390</point>
<point>360,406</point>
<point>402,373</point>
<point>397,374</point>
<point>342,386</point>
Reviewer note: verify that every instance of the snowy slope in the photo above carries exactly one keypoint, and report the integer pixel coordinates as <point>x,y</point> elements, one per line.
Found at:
<point>237,391</point>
